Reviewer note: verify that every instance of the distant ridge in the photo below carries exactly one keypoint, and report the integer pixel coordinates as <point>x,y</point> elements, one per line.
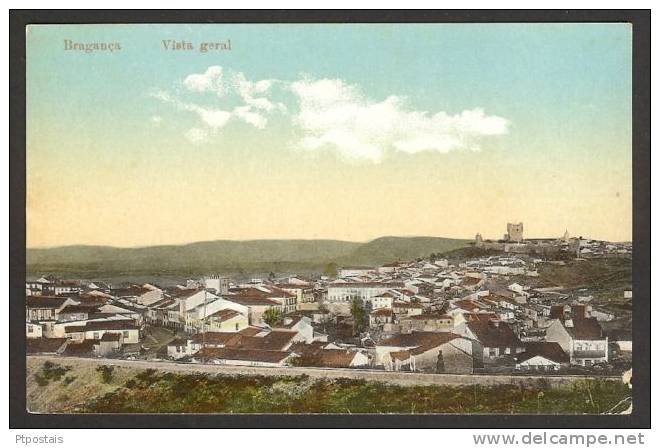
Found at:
<point>225,256</point>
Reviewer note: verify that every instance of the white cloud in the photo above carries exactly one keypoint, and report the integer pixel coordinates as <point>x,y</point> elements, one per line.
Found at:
<point>210,80</point>
<point>211,117</point>
<point>334,114</point>
<point>251,98</point>
<point>246,114</point>
<point>156,120</point>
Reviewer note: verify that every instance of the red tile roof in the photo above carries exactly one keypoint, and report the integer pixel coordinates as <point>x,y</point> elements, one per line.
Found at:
<point>335,358</point>
<point>548,350</point>
<point>79,309</point>
<point>494,334</point>
<point>224,315</point>
<point>215,338</point>
<point>470,281</point>
<point>585,329</point>
<point>50,302</point>
<point>266,356</point>
<point>103,325</point>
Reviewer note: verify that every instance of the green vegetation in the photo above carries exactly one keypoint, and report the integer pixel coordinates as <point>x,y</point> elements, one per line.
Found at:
<point>229,256</point>
<point>331,270</point>
<point>359,314</point>
<point>106,373</point>
<point>389,249</point>
<point>150,392</point>
<point>271,316</point>
<point>50,372</point>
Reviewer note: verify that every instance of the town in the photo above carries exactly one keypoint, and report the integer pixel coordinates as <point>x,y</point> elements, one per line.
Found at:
<point>486,309</point>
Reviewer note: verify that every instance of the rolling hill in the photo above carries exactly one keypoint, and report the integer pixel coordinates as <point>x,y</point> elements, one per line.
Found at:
<point>225,256</point>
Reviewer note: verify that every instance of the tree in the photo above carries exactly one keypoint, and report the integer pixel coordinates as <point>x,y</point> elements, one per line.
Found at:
<point>440,363</point>
<point>106,373</point>
<point>271,276</point>
<point>271,316</point>
<point>330,270</point>
<point>359,313</point>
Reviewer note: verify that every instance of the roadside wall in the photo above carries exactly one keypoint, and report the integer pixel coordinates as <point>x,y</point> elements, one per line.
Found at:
<point>398,378</point>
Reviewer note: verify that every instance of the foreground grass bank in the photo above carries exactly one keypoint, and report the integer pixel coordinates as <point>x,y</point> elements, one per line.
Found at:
<point>124,390</point>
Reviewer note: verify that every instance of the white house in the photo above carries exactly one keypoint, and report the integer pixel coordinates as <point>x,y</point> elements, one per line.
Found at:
<point>430,352</point>
<point>127,329</point>
<point>144,295</point>
<point>341,295</point>
<point>208,307</point>
<point>33,330</point>
<point>301,324</point>
<point>582,339</point>
<point>544,356</point>
<point>239,357</point>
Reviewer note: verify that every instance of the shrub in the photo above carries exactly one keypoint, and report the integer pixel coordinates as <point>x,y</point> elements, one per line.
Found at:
<point>106,373</point>
<point>41,381</point>
<point>52,371</point>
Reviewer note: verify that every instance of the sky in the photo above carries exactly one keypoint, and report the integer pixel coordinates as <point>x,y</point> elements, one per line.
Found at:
<point>334,131</point>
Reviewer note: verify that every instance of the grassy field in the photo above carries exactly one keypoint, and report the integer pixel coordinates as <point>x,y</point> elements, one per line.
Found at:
<point>125,390</point>
<point>605,278</point>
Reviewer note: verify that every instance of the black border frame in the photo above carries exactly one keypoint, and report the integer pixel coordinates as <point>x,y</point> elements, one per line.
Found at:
<point>641,143</point>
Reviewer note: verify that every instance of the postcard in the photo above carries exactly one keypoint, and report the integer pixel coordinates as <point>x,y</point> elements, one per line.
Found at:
<point>329,218</point>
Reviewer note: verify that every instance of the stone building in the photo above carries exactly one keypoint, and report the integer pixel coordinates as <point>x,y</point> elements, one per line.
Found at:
<point>514,232</point>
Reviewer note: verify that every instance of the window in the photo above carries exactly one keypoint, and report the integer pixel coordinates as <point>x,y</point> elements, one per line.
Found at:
<point>236,326</point>
<point>96,335</point>
<point>30,329</point>
<point>125,333</point>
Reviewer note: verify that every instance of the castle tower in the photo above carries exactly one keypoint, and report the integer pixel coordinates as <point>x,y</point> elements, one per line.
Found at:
<point>478,240</point>
<point>514,232</point>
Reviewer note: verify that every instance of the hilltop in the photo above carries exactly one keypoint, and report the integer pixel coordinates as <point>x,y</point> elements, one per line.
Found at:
<point>225,256</point>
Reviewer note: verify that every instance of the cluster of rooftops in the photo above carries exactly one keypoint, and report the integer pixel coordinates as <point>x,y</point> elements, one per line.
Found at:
<point>431,315</point>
